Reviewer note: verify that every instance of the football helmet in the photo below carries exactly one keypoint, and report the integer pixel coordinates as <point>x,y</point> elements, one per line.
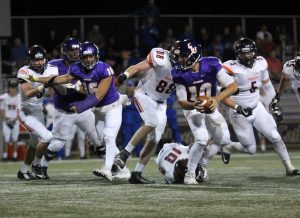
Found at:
<point>245,51</point>
<point>185,54</point>
<point>36,58</point>
<point>70,50</point>
<point>180,169</point>
<point>12,84</point>
<point>296,71</point>
<point>88,55</point>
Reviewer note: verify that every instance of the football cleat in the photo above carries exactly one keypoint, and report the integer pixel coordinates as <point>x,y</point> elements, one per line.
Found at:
<point>37,170</point>
<point>45,172</point>
<point>136,178</point>
<point>225,155</point>
<point>202,175</point>
<point>190,179</point>
<point>103,173</point>
<point>295,172</point>
<point>99,150</point>
<point>121,173</point>
<point>121,158</point>
<point>25,176</point>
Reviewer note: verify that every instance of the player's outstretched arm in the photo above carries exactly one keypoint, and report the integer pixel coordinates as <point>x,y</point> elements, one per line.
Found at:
<point>129,72</point>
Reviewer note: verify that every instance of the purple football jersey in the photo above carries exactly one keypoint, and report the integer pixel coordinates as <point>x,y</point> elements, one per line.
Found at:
<point>63,101</point>
<point>91,79</point>
<point>203,82</point>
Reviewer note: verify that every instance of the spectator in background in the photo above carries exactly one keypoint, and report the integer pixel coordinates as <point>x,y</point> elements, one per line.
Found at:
<point>264,40</point>
<point>52,41</point>
<point>172,119</point>
<point>96,37</point>
<point>228,42</point>
<point>150,10</point>
<point>216,47</point>
<point>7,64</point>
<point>127,60</point>
<point>204,40</point>
<point>18,52</point>
<point>187,34</point>
<point>131,119</point>
<point>238,33</point>
<point>275,66</point>
<point>168,40</point>
<point>148,37</point>
<point>74,34</point>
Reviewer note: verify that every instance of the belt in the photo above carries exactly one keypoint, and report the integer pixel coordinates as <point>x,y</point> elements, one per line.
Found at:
<point>159,102</point>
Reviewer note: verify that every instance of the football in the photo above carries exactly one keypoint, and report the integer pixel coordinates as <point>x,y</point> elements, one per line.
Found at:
<point>204,101</point>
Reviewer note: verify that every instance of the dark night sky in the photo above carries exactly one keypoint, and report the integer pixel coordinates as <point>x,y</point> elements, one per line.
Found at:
<point>98,7</point>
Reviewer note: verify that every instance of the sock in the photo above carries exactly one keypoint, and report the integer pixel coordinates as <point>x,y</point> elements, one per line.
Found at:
<point>68,148</point>
<point>195,154</point>
<point>129,147</point>
<point>37,161</point>
<point>110,144</point>
<point>281,150</point>
<point>209,154</point>
<point>15,155</point>
<point>4,155</point>
<point>288,165</point>
<point>139,167</point>
<point>81,146</point>
<point>44,162</point>
<point>24,168</point>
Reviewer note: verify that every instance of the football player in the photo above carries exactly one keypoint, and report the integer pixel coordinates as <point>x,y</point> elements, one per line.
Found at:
<point>172,163</point>
<point>30,109</point>
<point>195,76</point>
<point>251,73</point>
<point>10,124</point>
<point>291,73</point>
<point>65,119</point>
<point>150,100</point>
<point>98,83</point>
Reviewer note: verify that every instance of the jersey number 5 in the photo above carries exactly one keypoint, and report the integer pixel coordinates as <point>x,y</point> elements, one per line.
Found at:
<point>162,87</point>
<point>173,155</point>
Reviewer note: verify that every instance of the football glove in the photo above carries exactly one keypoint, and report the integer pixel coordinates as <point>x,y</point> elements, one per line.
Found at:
<point>274,103</point>
<point>121,78</point>
<point>246,112</point>
<point>277,114</point>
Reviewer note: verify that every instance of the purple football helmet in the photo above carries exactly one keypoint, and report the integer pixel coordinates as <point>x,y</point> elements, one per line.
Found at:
<point>70,50</point>
<point>185,54</point>
<point>88,55</point>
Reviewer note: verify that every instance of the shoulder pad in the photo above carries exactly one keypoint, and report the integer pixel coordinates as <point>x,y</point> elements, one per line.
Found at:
<point>262,62</point>
<point>158,57</point>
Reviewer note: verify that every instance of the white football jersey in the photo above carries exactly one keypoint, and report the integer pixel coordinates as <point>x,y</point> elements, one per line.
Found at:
<point>249,80</point>
<point>33,103</point>
<point>167,158</point>
<point>158,83</point>
<point>9,105</point>
<point>288,70</point>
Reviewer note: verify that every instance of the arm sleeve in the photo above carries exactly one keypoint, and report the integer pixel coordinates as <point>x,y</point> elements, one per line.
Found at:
<point>224,78</point>
<point>181,93</point>
<point>269,92</point>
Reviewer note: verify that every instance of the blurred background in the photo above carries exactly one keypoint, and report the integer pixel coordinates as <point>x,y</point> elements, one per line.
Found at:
<point>126,31</point>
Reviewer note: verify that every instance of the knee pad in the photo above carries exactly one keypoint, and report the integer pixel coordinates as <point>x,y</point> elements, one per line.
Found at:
<point>153,122</point>
<point>56,145</point>
<point>153,137</point>
<point>47,137</point>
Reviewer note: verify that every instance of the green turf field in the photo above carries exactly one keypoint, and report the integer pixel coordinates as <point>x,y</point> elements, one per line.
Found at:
<point>250,186</point>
